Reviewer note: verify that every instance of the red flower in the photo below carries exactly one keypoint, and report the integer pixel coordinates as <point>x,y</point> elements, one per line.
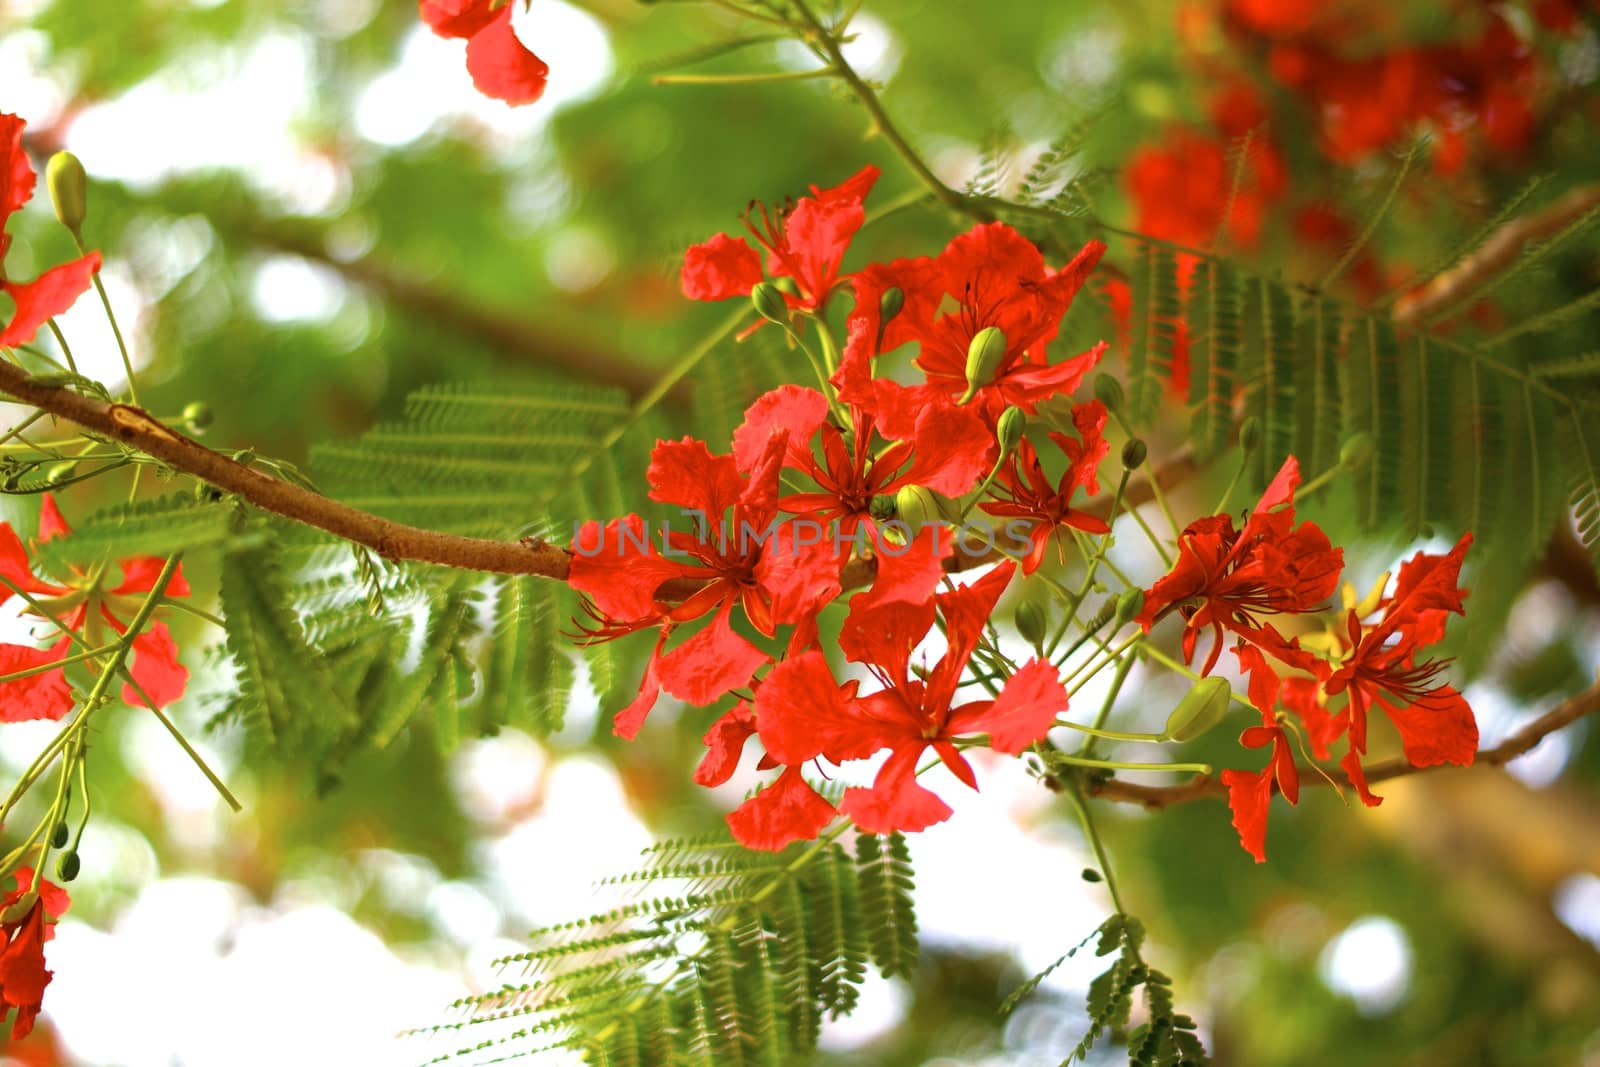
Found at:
<point>803,714</point>
<point>88,605</point>
<point>805,242</point>
<point>1249,794</point>
<point>950,451</point>
<point>1029,494</point>
<point>1181,187</point>
<point>996,277</point>
<point>1227,579</point>
<point>53,291</point>
<point>1379,667</point>
<point>22,971</point>
<point>773,571</point>
<point>501,67</point>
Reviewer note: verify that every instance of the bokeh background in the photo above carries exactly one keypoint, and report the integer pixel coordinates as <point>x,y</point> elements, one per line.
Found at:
<point>307,211</point>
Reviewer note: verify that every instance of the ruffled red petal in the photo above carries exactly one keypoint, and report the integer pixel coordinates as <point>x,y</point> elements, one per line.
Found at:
<point>784,812</point>
<point>719,269</point>
<point>501,65</point>
<point>46,296</point>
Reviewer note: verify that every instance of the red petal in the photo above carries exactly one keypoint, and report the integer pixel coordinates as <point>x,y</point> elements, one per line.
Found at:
<point>965,612</point>
<point>885,634</point>
<point>895,801</point>
<point>724,745</point>
<point>711,663</point>
<point>140,573</point>
<point>17,568</point>
<point>1281,490</point>
<point>784,812</point>
<point>627,722</point>
<point>1249,795</point>
<point>46,296</point>
<point>457,18</point>
<point>23,975</point>
<point>802,713</point>
<point>908,573</point>
<point>1439,729</point>
<point>51,522</point>
<point>617,566</point>
<point>685,472</point>
<point>1358,778</point>
<point>16,173</point>
<point>720,268</point>
<point>41,696</point>
<point>501,66</point>
<point>798,410</point>
<point>1023,712</point>
<point>801,578</point>
<point>156,668</point>
<point>954,449</point>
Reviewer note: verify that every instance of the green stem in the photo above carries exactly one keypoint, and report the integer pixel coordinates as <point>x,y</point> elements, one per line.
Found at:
<point>741,79</point>
<point>111,317</point>
<point>1119,765</point>
<point>1123,667</point>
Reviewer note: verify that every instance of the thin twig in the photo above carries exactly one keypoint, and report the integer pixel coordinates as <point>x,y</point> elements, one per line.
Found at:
<point>1496,253</point>
<point>1157,797</point>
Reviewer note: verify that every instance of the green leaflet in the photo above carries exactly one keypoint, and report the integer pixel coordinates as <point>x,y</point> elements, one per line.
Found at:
<point>160,527</point>
<point>723,956</point>
<point>286,696</point>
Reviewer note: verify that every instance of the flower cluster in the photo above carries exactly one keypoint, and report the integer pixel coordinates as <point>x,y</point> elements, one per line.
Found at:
<point>1247,583</point>
<point>981,315</point>
<point>894,458</point>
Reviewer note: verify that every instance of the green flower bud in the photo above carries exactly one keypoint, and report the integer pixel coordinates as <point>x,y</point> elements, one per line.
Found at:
<point>1199,710</point>
<point>1032,619</point>
<point>1090,875</point>
<point>198,416</point>
<point>1108,391</point>
<point>67,866</point>
<point>890,305</point>
<point>1356,451</point>
<point>787,286</point>
<point>58,836</point>
<point>1134,453</point>
<point>1250,434</point>
<point>60,473</point>
<point>69,189</point>
<point>769,303</point>
<point>916,506</point>
<point>1008,431</point>
<point>1129,604</point>
<point>984,356</point>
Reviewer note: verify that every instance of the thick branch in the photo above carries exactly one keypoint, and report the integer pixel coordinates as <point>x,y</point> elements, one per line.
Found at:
<point>138,429</point>
<point>1156,797</point>
<point>1496,253</point>
<point>513,335</point>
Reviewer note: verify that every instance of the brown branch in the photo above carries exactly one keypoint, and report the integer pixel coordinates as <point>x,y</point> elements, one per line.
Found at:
<point>1156,797</point>
<point>138,429</point>
<point>1496,253</point>
<point>511,335</point>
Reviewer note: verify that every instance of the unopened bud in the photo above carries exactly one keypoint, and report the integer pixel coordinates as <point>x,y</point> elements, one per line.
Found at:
<point>984,356</point>
<point>1250,434</point>
<point>1199,710</point>
<point>1134,453</point>
<point>1008,431</point>
<point>769,302</point>
<point>58,836</point>
<point>69,189</point>
<point>1108,391</point>
<point>61,473</point>
<point>1032,621</point>
<point>1356,451</point>
<point>916,506</point>
<point>1090,875</point>
<point>198,416</point>
<point>890,304</point>
<point>67,866</point>
<point>1129,604</point>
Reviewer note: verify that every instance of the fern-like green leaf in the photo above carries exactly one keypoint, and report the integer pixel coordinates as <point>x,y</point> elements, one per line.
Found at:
<point>284,692</point>
<point>161,527</point>
<point>886,888</point>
